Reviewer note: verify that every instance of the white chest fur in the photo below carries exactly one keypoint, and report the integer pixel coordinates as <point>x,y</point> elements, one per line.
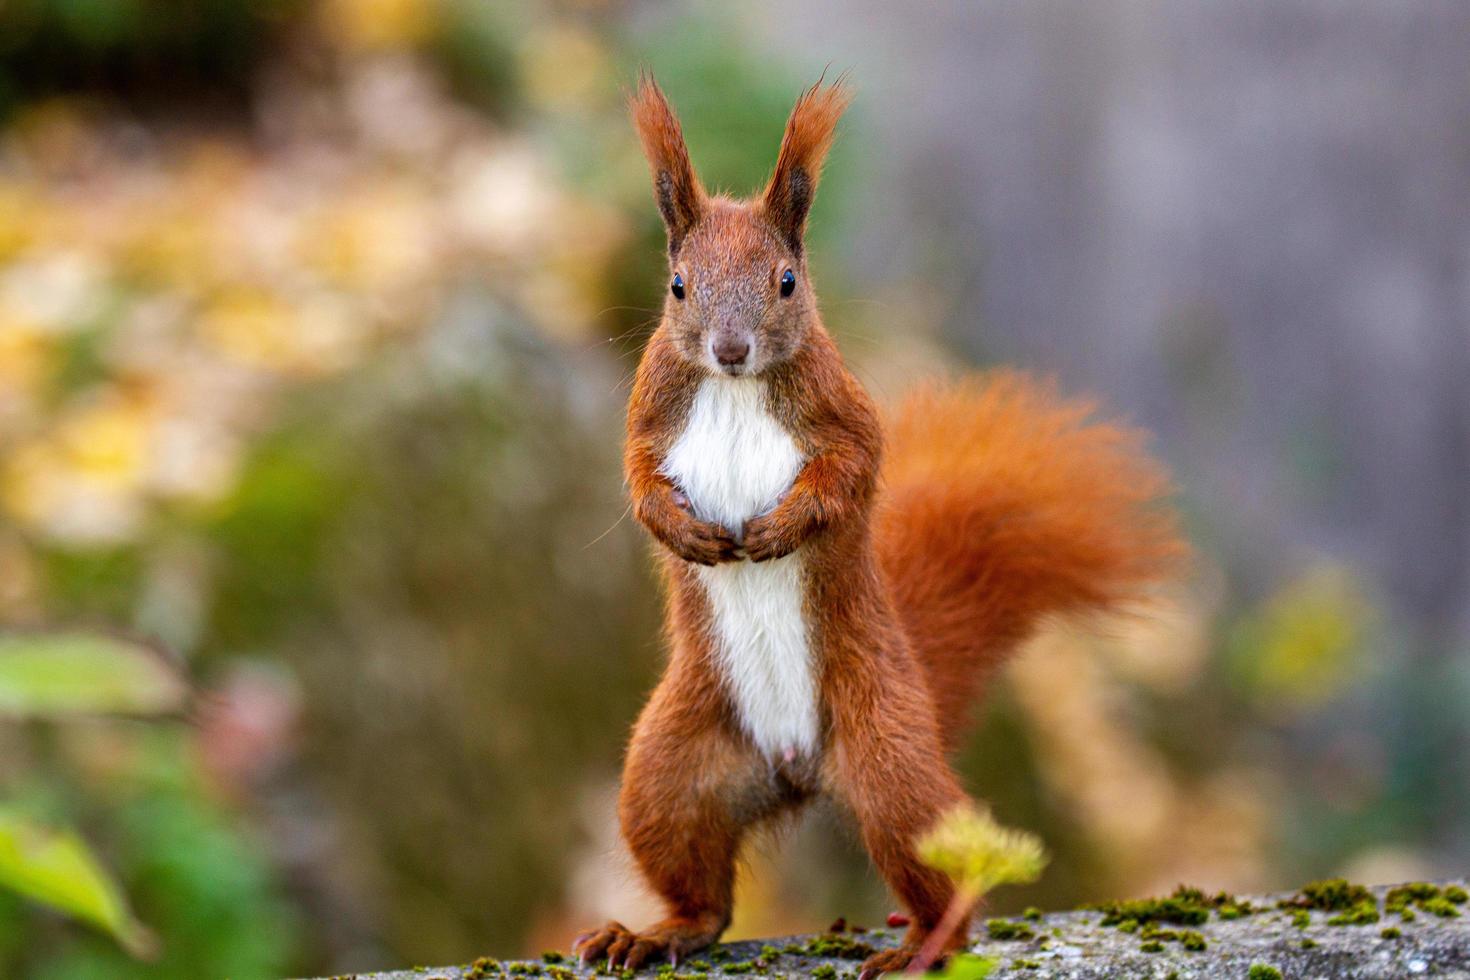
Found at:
<point>734,461</point>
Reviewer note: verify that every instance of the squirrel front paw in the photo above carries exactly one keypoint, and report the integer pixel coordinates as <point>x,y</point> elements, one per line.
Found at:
<point>767,537</point>
<point>702,542</point>
<point>671,520</point>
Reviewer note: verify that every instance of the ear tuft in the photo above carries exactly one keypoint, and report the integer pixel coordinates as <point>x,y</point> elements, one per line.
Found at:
<point>809,134</point>
<point>675,186</point>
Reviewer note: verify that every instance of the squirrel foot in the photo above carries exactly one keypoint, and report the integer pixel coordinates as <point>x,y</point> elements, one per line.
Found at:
<point>629,950</point>
<point>894,961</point>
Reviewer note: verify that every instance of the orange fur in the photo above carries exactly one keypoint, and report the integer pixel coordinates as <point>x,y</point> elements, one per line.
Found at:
<point>676,188</point>
<point>998,506</point>
<point>1003,505</point>
<point>809,133</point>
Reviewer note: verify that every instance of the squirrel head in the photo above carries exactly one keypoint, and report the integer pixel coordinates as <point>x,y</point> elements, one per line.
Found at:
<point>739,300</point>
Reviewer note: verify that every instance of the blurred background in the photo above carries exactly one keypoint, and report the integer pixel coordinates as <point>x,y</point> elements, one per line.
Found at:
<point>316,322</point>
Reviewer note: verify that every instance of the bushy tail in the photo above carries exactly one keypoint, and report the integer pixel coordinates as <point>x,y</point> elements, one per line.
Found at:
<point>1003,505</point>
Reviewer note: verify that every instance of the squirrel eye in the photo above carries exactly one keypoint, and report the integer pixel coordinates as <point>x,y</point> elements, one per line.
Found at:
<point>788,282</point>
<point>677,286</point>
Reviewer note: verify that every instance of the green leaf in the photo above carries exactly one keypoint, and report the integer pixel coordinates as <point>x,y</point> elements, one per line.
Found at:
<point>967,966</point>
<point>50,674</point>
<point>57,869</point>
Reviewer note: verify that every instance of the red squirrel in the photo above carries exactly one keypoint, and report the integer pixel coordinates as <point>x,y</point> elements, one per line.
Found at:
<point>838,587</point>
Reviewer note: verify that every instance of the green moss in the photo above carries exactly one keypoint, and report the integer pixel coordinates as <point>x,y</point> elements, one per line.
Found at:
<point>1401,896</point>
<point>552,956</point>
<point>1426,896</point>
<point>769,952</point>
<point>833,946</point>
<point>1025,965</point>
<point>1032,913</point>
<point>1126,925</point>
<point>1234,908</point>
<point>1362,914</point>
<point>1004,929</point>
<point>525,969</point>
<point>699,966</point>
<point>1441,907</point>
<point>743,966</point>
<point>1152,946</point>
<point>1152,935</point>
<point>1187,907</point>
<point>825,972</point>
<point>1354,904</point>
<point>482,968</point>
<point>1263,971</point>
<point>1392,932</point>
<point>1330,895</point>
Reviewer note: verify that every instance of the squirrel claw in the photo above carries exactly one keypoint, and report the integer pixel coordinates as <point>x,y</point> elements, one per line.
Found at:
<point>892,961</point>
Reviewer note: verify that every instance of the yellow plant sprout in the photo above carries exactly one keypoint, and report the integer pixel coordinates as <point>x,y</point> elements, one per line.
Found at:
<point>978,854</point>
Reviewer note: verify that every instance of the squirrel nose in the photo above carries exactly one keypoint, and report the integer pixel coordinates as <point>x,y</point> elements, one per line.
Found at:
<point>731,351</point>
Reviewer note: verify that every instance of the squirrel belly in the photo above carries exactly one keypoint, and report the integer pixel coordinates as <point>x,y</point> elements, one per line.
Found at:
<point>734,461</point>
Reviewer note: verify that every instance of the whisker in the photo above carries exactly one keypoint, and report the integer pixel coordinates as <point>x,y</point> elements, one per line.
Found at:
<point>621,518</point>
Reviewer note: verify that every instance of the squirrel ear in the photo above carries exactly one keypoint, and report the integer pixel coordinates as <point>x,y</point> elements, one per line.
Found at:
<point>675,187</point>
<point>809,134</point>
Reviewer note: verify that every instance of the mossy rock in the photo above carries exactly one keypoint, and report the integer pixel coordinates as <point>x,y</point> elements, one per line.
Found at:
<point>1322,931</point>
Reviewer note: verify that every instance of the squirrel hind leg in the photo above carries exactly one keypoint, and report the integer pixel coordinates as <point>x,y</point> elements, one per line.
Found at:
<point>890,769</point>
<point>690,794</point>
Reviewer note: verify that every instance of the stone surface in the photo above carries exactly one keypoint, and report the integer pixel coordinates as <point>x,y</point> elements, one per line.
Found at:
<point>1075,946</point>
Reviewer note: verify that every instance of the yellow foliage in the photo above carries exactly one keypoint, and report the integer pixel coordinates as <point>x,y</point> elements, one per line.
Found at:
<point>978,854</point>
<point>368,25</point>
<point>83,482</point>
<point>24,355</point>
<point>203,275</point>
<point>17,218</point>
<point>1302,646</point>
<point>567,67</point>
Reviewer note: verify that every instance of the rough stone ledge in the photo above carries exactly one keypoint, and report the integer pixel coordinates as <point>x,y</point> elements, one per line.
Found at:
<point>1075,946</point>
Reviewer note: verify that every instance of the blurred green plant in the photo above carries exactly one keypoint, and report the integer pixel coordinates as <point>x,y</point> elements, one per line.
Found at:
<point>966,966</point>
<point>56,868</point>
<point>60,676</point>
<point>208,898</point>
<point>978,855</point>
<point>64,674</point>
<point>1304,644</point>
